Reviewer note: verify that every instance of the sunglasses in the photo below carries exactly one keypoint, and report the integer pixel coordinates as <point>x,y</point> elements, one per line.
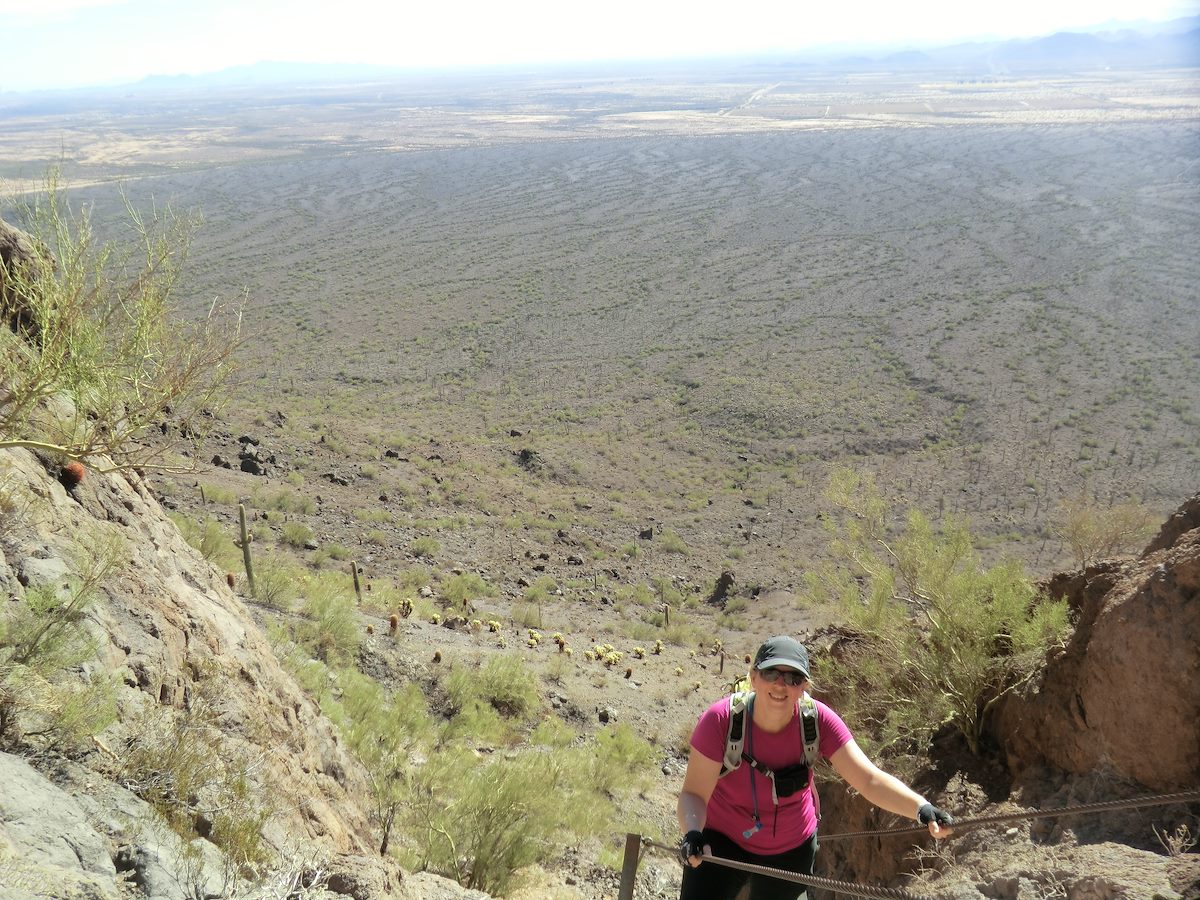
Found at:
<point>792,679</point>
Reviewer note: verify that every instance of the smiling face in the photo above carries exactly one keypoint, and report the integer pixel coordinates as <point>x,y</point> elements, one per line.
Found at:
<point>775,695</point>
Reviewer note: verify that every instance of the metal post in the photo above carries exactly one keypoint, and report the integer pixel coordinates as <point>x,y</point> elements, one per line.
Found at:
<point>633,847</point>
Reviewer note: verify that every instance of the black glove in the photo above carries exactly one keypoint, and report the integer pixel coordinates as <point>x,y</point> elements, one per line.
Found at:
<point>691,845</point>
<point>930,813</point>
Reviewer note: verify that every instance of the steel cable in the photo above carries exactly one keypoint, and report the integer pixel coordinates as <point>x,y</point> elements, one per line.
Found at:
<point>828,884</point>
<point>960,824</point>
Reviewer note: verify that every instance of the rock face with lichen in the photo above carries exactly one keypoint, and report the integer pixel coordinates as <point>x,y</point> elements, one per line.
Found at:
<point>172,633</point>
<point>170,628</point>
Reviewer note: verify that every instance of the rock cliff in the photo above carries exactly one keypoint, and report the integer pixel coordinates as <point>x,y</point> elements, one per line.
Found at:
<point>1124,693</point>
<point>177,640</point>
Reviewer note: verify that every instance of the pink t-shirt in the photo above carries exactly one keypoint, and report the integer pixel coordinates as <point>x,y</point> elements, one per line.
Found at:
<point>731,807</point>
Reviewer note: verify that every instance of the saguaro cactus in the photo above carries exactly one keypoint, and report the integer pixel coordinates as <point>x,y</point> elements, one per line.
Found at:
<point>246,549</point>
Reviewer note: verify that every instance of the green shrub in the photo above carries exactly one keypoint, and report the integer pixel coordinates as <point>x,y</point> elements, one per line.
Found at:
<point>552,732</point>
<point>212,493</point>
<point>179,762</point>
<point>209,537</point>
<point>503,683</point>
<point>1092,532</point>
<point>107,336</point>
<point>467,586</point>
<point>671,542</point>
<point>540,591</point>
<point>424,547</point>
<point>943,635</point>
<point>732,622</point>
<point>478,723</point>
<point>340,552</point>
<point>412,579</point>
<point>383,730</point>
<point>479,822</point>
<point>640,594</point>
<point>330,629</point>
<point>373,516</point>
<point>297,534</point>
<point>276,580</point>
<point>42,638</point>
<point>683,633</point>
<point>622,758</point>
<point>527,615</point>
<point>285,500</point>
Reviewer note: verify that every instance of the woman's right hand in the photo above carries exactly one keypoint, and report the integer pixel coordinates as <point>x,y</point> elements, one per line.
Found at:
<point>692,848</point>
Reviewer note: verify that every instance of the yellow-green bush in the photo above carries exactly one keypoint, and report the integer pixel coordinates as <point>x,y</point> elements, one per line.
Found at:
<point>296,534</point>
<point>179,762</point>
<point>276,580</point>
<point>464,587</point>
<point>1093,532</point>
<point>670,542</point>
<point>424,546</point>
<point>383,730</point>
<point>942,635</point>
<point>479,821</point>
<point>210,538</point>
<point>621,758</point>
<point>42,637</point>
<point>503,683</point>
<point>330,627</point>
<point>100,328</point>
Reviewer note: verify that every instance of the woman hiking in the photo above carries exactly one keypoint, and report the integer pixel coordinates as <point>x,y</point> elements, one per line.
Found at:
<point>748,793</point>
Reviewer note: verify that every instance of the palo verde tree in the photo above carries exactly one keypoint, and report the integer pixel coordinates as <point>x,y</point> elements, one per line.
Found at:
<point>940,636</point>
<point>1093,532</point>
<point>93,351</point>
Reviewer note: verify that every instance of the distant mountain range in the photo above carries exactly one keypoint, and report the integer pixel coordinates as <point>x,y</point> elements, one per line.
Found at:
<point>1170,44</point>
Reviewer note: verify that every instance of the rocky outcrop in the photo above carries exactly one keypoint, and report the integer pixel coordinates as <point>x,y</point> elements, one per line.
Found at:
<point>1183,520</point>
<point>1124,694</point>
<point>17,253</point>
<point>172,633</point>
<point>1113,714</point>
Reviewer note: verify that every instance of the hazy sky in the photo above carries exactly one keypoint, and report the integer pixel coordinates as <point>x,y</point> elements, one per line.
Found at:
<point>59,43</point>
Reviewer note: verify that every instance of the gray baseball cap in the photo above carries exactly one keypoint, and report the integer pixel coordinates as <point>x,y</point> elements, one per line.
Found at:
<point>782,650</point>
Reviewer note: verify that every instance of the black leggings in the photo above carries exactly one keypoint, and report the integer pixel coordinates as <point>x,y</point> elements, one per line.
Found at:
<point>711,881</point>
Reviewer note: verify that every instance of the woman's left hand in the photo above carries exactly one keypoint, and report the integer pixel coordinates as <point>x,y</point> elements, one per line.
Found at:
<point>938,820</point>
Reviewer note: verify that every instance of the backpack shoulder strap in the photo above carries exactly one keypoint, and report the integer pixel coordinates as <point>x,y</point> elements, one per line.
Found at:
<point>810,736</point>
<point>740,702</point>
<point>810,732</point>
